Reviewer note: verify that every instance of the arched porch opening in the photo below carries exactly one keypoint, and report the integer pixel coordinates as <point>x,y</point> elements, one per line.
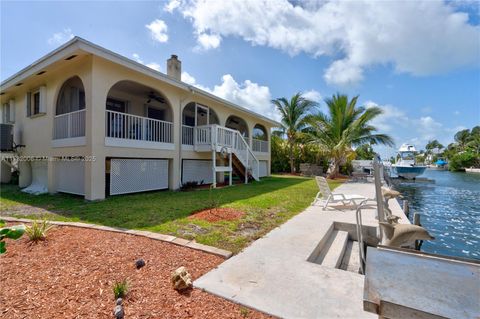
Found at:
<point>69,120</point>
<point>260,139</point>
<point>195,114</point>
<point>137,112</point>
<point>237,123</point>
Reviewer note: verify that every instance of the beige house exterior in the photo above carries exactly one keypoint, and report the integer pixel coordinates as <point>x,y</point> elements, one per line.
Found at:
<point>100,124</point>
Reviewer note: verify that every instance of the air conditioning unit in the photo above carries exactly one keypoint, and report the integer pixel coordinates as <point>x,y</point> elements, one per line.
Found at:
<point>6,137</point>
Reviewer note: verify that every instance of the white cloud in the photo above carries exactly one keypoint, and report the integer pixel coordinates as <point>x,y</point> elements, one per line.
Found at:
<point>313,95</point>
<point>414,37</point>
<point>418,131</point>
<point>171,6</point>
<point>152,65</point>
<point>208,41</point>
<point>248,94</point>
<point>60,37</point>
<point>158,30</point>
<point>391,118</point>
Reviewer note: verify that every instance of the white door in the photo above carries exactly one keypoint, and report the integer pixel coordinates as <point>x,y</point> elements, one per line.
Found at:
<point>197,171</point>
<point>262,168</point>
<point>137,175</point>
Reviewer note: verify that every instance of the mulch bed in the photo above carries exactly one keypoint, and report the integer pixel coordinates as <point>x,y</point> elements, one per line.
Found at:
<point>217,214</point>
<point>71,274</point>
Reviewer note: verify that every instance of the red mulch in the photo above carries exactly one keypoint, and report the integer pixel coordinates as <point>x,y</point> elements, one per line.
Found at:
<point>71,274</point>
<point>217,214</point>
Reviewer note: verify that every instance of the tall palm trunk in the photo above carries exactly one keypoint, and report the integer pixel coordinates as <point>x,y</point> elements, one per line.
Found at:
<point>292,164</point>
<point>334,168</point>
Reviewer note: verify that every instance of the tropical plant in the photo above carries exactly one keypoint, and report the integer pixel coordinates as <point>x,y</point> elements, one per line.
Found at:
<point>38,230</point>
<point>461,138</point>
<point>463,160</point>
<point>120,289</point>
<point>294,113</point>
<point>431,145</point>
<point>364,152</point>
<point>12,232</point>
<point>345,126</point>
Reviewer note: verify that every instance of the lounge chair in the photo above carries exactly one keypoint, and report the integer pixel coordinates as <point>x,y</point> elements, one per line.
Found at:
<point>326,194</point>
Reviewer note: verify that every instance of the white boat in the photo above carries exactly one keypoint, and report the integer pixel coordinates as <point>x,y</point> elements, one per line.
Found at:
<point>472,170</point>
<point>406,167</point>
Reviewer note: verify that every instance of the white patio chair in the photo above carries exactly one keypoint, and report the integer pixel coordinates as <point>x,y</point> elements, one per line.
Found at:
<point>326,194</point>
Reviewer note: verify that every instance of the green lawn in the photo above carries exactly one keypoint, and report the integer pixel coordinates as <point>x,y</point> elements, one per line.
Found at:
<point>267,204</point>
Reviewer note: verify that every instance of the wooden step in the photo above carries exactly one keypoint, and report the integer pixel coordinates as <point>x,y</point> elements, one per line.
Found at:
<point>334,249</point>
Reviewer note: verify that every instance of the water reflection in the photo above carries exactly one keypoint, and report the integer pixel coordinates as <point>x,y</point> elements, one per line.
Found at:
<point>450,211</point>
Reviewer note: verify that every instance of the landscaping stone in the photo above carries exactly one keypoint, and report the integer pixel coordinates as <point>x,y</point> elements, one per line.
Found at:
<point>119,302</point>
<point>139,263</point>
<point>118,312</point>
<point>181,279</point>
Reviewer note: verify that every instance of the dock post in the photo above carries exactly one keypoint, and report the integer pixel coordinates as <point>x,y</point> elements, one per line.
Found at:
<point>406,207</point>
<point>416,221</point>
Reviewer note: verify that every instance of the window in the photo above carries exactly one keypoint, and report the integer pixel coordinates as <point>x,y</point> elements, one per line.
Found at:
<point>116,105</point>
<point>36,103</point>
<point>8,112</point>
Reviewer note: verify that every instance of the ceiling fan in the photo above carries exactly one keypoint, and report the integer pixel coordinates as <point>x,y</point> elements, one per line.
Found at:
<point>152,96</point>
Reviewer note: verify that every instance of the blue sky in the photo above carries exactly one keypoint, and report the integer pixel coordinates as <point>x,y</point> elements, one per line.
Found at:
<point>419,61</point>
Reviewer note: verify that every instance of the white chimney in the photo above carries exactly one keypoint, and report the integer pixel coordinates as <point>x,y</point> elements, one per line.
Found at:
<point>174,67</point>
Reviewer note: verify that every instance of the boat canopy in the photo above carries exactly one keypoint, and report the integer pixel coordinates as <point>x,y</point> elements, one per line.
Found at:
<point>440,162</point>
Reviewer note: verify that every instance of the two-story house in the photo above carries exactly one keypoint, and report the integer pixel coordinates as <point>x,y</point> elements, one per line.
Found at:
<point>91,122</point>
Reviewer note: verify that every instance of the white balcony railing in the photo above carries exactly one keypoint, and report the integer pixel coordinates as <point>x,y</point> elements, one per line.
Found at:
<point>187,134</point>
<point>69,125</point>
<point>219,136</point>
<point>259,146</point>
<point>133,127</point>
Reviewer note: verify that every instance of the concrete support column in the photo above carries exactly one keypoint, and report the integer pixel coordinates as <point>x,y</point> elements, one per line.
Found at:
<point>25,176</point>
<point>52,186</point>
<point>95,178</point>
<point>96,90</point>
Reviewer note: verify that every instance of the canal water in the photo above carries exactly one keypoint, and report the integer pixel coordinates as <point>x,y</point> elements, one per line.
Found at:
<point>450,211</point>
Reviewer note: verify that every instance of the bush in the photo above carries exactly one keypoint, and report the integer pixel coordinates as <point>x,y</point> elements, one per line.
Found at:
<point>38,230</point>
<point>13,232</point>
<point>463,160</point>
<point>120,289</point>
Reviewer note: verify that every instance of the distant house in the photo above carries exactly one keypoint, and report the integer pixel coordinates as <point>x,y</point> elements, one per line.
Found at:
<point>108,125</point>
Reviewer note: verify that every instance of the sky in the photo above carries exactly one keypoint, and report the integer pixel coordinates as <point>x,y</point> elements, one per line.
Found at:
<point>417,60</point>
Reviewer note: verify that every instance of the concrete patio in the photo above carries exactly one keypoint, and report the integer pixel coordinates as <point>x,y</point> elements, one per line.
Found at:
<point>273,275</point>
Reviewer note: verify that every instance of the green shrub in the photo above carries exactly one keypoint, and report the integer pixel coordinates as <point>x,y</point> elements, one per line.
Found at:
<point>13,232</point>
<point>120,289</point>
<point>38,230</point>
<point>463,160</point>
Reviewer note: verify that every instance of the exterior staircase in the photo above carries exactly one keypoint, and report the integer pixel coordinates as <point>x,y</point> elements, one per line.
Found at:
<point>226,143</point>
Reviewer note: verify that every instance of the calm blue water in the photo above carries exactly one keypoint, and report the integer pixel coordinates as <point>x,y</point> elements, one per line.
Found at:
<point>450,210</point>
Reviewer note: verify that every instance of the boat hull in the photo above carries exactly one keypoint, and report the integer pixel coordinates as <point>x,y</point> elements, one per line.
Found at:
<point>409,172</point>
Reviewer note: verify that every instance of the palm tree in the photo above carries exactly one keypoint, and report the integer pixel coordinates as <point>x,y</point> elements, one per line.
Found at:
<point>462,138</point>
<point>294,113</point>
<point>345,126</point>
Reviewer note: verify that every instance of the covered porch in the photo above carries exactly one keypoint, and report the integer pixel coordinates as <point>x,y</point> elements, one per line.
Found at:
<point>138,116</point>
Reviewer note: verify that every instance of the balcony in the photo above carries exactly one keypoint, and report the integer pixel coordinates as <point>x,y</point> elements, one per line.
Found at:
<point>259,146</point>
<point>127,130</point>
<point>69,129</point>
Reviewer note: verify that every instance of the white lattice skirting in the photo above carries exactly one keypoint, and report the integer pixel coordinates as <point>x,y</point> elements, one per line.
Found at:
<point>137,175</point>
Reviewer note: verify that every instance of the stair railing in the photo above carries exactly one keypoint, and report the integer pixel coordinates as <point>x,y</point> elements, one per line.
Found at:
<point>225,137</point>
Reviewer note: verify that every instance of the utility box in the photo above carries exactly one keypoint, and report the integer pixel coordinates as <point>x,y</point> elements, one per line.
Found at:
<point>6,137</point>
